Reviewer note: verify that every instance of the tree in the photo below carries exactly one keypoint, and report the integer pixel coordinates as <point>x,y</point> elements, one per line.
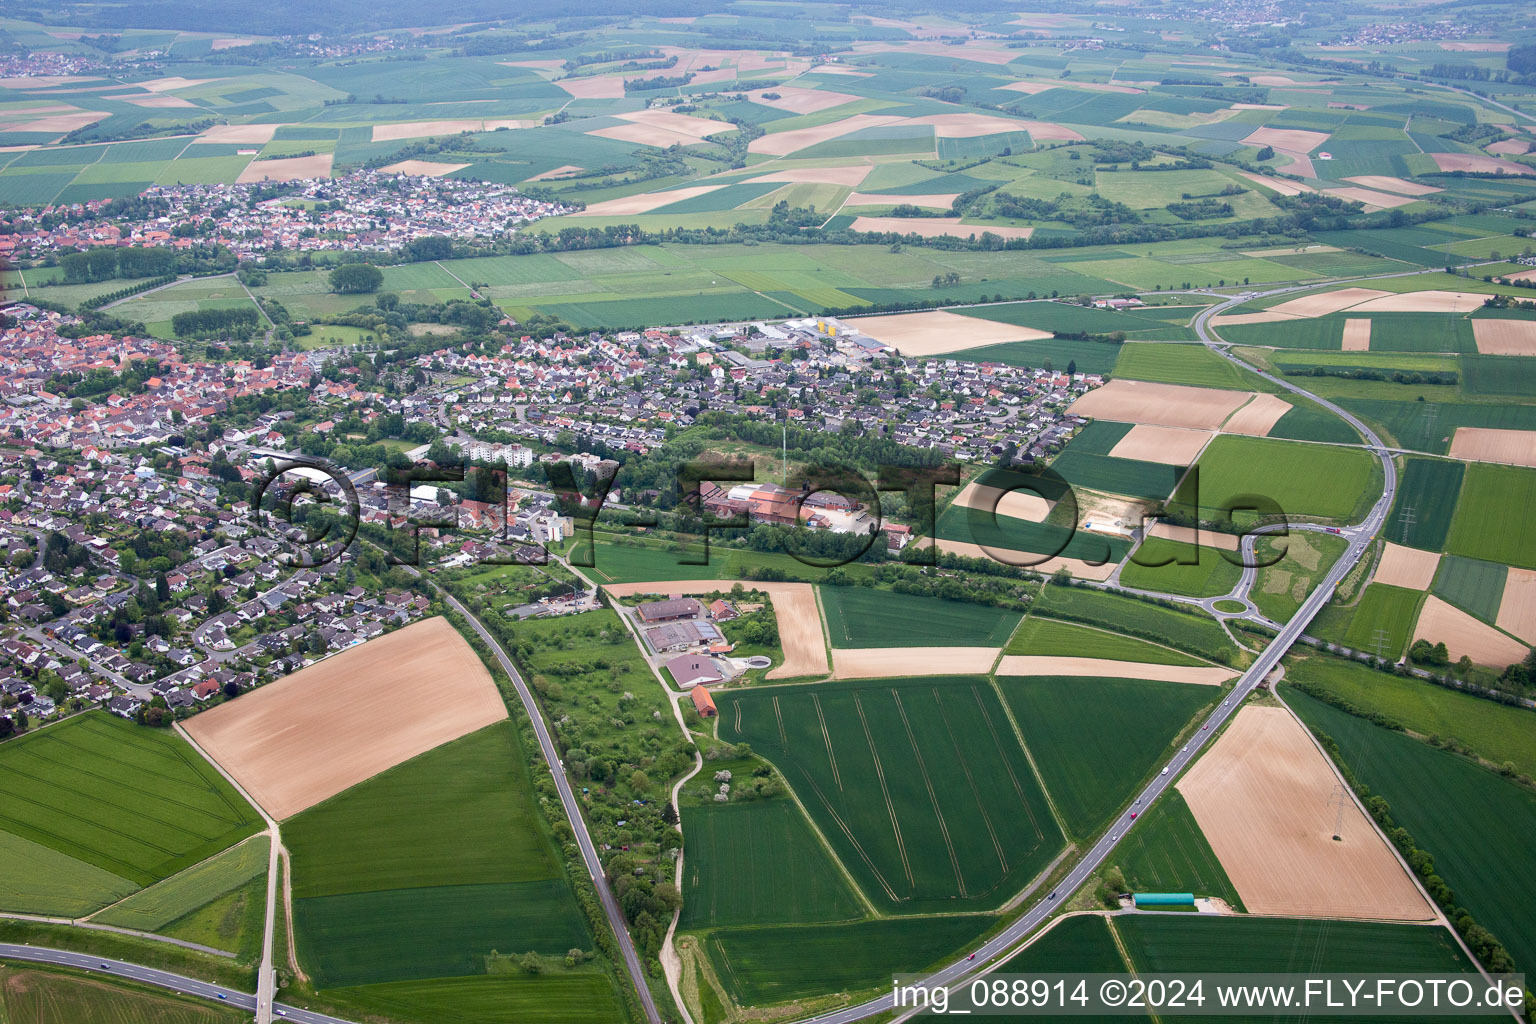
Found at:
<point>356,278</point>
<point>231,689</point>
<point>162,588</point>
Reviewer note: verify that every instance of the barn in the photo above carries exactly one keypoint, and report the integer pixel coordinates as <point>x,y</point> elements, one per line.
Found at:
<point>703,702</point>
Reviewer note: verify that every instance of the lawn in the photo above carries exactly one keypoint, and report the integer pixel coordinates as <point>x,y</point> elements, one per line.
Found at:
<point>1426,502</point>
<point>758,966</point>
<point>1187,631</point>
<point>1498,732</point>
<point>460,863</point>
<point>1303,479</point>
<point>138,803</point>
<point>1475,586</point>
<point>1476,825</point>
<point>865,617</point>
<point>1490,521</point>
<point>155,907</point>
<point>1165,851</point>
<point>1043,637</point>
<point>758,862</point>
<point>50,995</point>
<point>1095,740</point>
<point>1208,573</point>
<point>920,786</point>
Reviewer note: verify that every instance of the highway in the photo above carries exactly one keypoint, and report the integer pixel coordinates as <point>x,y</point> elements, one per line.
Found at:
<point>1359,536</point>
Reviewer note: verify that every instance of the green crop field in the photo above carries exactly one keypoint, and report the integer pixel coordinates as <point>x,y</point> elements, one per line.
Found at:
<point>40,880</point>
<point>919,785</point>
<point>1306,423</point>
<point>584,996</point>
<point>1489,523</point>
<point>156,907</point>
<point>770,965</point>
<point>461,864</point>
<point>1135,479</point>
<point>1185,364</point>
<point>1426,502</point>
<point>1304,479</point>
<point>1428,426</point>
<point>621,560</point>
<point>52,995</point>
<point>1383,618</point>
<point>234,922</point>
<point>865,617</point>
<point>1475,586</point>
<point>1023,543</point>
<point>758,862</point>
<point>1208,573</point>
<point>1044,637</point>
<point>1187,631</point>
<point>1498,732</point>
<point>1095,740</point>
<point>1073,944</point>
<point>1165,851</point>
<point>135,802</point>
<point>1475,824</point>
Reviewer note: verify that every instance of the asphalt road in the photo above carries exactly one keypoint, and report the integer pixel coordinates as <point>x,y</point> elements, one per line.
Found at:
<point>1359,537</point>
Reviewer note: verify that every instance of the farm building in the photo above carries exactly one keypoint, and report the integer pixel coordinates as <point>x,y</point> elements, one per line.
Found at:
<point>668,611</point>
<point>679,636</point>
<point>692,670</point>
<point>703,702</point>
<point>1164,899</point>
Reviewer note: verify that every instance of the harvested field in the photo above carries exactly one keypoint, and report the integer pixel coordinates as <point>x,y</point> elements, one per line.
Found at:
<point>1323,303</point>
<point>322,730</point>
<point>1370,197</point>
<point>852,176</point>
<point>933,227</point>
<point>1475,47</point>
<point>1258,417</point>
<point>1510,147</point>
<point>680,124</point>
<point>1517,609</point>
<point>938,332</point>
<point>60,123</point>
<point>293,168</point>
<point>1486,444</point>
<point>557,172</point>
<point>1387,183</point>
<point>1423,302</point>
<point>784,143</point>
<point>1024,505</point>
<point>1172,446</point>
<point>879,662</point>
<point>645,202</point>
<point>158,102</point>
<point>1107,668</point>
<point>1292,140</point>
<point>1030,88</point>
<point>966,126</point>
<point>44,81</point>
<point>1048,131</point>
<point>1076,566</point>
<point>942,201</point>
<point>451,126</point>
<point>1406,567</point>
<point>1505,337</point>
<point>1239,319</point>
<point>1268,802</point>
<point>794,605</point>
<point>173,82</point>
<point>1280,185</point>
<point>1168,405</point>
<point>1357,335</point>
<point>595,87</point>
<point>1441,622</point>
<point>800,100</point>
<point>1188,535</point>
<point>1478,163</point>
<point>1521,275</point>
<point>241,134</point>
<point>1259,106</point>
<point>425,168</point>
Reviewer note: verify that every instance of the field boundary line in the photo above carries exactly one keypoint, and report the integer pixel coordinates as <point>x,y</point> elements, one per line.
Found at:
<point>825,738</point>
<point>190,867</point>
<point>1018,734</point>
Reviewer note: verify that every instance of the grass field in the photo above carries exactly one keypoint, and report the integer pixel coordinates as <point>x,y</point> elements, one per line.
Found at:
<point>1208,574</point>
<point>1426,502</point>
<point>1477,587</point>
<point>1428,426</point>
<point>870,762</point>
<point>1485,525</point>
<point>1095,740</point>
<point>156,907</point>
<point>1042,636</point>
<point>1303,479</point>
<point>1474,824</point>
<point>40,880</point>
<point>461,864</point>
<point>556,997</point>
<point>1185,630</point>
<point>1023,543</point>
<point>865,617</point>
<point>135,802</point>
<point>769,965</point>
<point>1165,851</point>
<point>625,562</point>
<point>1185,364</point>
<point>1383,620</point>
<point>51,995</point>
<point>1130,477</point>
<point>1307,556</point>
<point>1305,423</point>
<point>232,922</point>
<point>758,862</point>
<point>1497,732</point>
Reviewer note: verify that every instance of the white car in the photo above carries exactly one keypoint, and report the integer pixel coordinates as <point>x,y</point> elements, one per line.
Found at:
<point>1165,771</point>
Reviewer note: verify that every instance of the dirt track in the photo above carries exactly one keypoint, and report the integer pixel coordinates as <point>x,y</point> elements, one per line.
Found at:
<point>322,730</point>
<point>1269,804</point>
<point>794,606</point>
